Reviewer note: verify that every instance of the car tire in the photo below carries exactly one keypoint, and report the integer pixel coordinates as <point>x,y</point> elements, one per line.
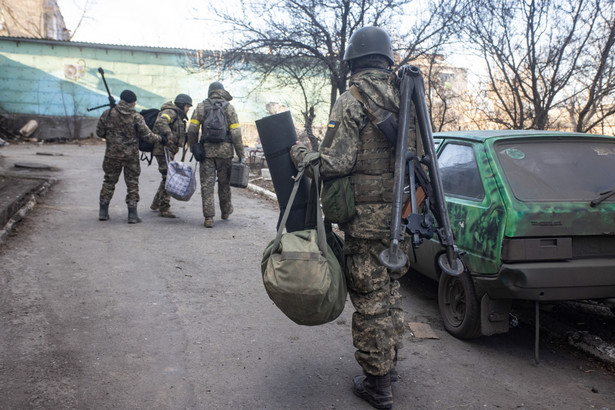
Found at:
<point>459,306</point>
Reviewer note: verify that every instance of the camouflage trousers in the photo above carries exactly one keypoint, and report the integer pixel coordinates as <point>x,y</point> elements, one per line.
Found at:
<point>162,200</point>
<point>113,168</point>
<point>210,168</point>
<point>378,320</point>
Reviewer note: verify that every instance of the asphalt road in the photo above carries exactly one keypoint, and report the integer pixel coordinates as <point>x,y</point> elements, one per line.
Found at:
<point>167,314</point>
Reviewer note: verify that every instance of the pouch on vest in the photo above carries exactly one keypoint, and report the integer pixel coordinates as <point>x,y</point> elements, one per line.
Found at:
<point>338,200</point>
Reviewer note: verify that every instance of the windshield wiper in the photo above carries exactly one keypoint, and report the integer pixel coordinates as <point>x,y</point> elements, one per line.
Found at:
<point>603,196</point>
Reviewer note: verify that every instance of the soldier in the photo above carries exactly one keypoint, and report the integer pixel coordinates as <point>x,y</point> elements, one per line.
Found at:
<point>122,127</point>
<point>218,155</point>
<point>354,146</point>
<point>170,123</point>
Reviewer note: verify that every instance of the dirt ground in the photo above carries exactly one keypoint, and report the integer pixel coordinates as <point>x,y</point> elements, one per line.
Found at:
<point>167,314</point>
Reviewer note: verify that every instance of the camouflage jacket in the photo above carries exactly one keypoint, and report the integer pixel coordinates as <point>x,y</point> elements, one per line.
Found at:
<point>221,149</point>
<point>170,123</point>
<point>354,147</point>
<point>122,130</point>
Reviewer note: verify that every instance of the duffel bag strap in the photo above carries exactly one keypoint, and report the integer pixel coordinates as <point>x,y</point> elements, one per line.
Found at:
<point>320,227</point>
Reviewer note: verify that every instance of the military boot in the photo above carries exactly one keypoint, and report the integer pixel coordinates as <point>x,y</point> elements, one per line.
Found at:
<point>376,390</point>
<point>167,214</point>
<point>133,218</point>
<point>103,212</point>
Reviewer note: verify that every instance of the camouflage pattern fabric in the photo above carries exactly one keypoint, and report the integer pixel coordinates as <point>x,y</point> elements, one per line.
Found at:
<point>113,168</point>
<point>218,156</point>
<point>353,146</point>
<point>378,320</point>
<point>162,200</point>
<point>121,129</point>
<point>170,123</point>
<point>222,149</point>
<point>210,168</point>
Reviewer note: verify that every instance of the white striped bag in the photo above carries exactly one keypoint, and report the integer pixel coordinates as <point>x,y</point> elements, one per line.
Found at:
<point>181,179</point>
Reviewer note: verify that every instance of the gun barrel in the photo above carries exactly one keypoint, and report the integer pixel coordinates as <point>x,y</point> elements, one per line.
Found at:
<point>97,107</point>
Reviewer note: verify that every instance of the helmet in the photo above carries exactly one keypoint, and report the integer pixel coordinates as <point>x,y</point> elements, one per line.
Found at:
<point>183,99</point>
<point>216,85</point>
<point>369,40</point>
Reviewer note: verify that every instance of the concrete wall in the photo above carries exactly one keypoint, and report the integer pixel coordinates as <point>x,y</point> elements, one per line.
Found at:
<point>55,82</point>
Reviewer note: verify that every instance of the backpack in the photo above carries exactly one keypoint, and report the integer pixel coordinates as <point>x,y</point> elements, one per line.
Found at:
<point>215,125</point>
<point>149,116</point>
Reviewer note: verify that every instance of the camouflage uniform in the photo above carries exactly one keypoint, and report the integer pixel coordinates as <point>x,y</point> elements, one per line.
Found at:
<point>218,156</point>
<point>122,130</point>
<point>353,146</point>
<point>170,123</point>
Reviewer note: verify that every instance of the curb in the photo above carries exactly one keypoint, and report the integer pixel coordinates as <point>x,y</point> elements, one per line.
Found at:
<point>29,201</point>
<point>262,191</point>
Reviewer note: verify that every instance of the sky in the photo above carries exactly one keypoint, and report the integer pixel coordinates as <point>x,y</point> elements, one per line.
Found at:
<point>155,23</point>
<point>158,23</point>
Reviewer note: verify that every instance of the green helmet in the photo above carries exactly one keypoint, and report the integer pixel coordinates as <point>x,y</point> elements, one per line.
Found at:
<point>183,99</point>
<point>369,40</point>
<point>216,85</point>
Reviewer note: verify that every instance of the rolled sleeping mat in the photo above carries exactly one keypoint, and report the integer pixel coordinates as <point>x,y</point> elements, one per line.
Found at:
<point>277,134</point>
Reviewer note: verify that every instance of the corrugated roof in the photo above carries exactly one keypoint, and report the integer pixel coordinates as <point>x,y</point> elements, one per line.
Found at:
<point>164,50</point>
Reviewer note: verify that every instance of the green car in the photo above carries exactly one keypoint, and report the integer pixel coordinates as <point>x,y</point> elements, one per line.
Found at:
<point>533,216</point>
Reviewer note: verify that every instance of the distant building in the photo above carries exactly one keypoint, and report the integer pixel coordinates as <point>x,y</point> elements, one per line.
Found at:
<point>32,19</point>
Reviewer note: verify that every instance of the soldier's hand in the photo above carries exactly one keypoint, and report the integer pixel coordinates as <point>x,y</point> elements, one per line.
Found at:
<point>163,140</point>
<point>311,158</point>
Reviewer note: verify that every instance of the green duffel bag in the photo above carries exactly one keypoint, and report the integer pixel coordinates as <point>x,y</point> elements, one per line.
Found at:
<point>302,274</point>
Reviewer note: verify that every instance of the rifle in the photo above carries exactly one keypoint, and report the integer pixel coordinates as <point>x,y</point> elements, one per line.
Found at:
<point>416,224</point>
<point>111,103</point>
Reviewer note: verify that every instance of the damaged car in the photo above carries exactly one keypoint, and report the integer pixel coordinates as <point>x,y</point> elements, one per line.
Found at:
<point>533,218</point>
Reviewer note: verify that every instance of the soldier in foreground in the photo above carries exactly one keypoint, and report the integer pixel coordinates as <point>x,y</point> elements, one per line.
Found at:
<point>170,123</point>
<point>121,127</point>
<point>354,146</point>
<point>219,145</point>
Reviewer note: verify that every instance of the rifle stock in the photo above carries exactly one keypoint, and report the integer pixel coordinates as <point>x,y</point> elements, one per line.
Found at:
<point>412,91</point>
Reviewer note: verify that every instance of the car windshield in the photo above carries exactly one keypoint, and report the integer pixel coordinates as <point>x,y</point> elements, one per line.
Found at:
<point>558,170</point>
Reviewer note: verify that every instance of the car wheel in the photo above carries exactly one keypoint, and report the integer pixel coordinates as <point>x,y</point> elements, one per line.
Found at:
<point>459,306</point>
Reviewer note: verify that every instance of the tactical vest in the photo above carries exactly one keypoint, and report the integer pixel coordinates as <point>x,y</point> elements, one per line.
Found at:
<point>373,175</point>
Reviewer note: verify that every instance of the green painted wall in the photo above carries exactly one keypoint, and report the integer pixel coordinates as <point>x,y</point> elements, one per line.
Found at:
<point>61,79</point>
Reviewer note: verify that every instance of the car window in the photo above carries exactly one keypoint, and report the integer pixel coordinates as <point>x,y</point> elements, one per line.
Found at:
<point>459,171</point>
<point>558,170</point>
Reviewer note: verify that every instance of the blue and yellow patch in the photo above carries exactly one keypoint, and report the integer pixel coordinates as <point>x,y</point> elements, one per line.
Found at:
<point>331,124</point>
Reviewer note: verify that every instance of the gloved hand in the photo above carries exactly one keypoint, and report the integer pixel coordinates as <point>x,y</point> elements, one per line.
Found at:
<point>163,140</point>
<point>311,158</point>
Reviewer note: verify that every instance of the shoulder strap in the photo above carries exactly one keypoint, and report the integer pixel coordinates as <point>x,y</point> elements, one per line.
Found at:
<point>354,91</point>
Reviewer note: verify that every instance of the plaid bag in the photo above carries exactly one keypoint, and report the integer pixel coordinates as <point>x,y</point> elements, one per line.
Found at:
<point>181,179</point>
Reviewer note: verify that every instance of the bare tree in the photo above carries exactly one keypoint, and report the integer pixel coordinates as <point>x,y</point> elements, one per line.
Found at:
<point>593,100</point>
<point>313,34</point>
<point>533,51</point>
<point>85,9</point>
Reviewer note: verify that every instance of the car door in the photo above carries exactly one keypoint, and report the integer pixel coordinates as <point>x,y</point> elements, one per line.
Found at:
<point>474,204</point>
